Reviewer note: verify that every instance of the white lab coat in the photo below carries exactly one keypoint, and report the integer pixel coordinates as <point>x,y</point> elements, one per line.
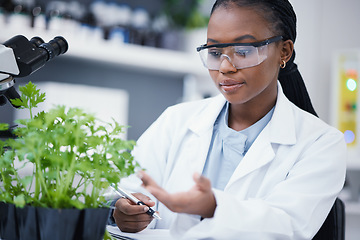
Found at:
<point>282,189</point>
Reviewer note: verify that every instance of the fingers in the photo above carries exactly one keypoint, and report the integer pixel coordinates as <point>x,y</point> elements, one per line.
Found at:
<point>132,227</point>
<point>147,180</point>
<point>130,217</point>
<point>202,183</point>
<point>145,199</point>
<point>134,223</point>
<point>153,187</point>
<point>175,202</point>
<point>129,208</point>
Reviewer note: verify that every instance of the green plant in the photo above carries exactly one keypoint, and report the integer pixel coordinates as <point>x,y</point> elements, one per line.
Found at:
<point>185,14</point>
<point>72,156</point>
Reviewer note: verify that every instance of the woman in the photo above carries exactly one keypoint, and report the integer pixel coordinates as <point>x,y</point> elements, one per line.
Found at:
<point>269,170</point>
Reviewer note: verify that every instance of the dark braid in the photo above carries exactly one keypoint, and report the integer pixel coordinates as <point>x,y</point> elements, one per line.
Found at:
<point>282,19</point>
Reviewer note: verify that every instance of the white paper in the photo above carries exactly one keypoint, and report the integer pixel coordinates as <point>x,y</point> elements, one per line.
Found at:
<point>147,234</point>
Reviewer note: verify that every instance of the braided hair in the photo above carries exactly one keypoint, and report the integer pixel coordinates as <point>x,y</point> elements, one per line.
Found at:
<point>281,17</point>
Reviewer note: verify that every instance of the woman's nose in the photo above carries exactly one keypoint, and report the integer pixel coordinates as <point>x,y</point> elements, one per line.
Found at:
<point>226,66</point>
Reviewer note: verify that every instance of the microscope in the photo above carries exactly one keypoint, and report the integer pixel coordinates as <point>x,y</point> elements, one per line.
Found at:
<point>19,57</point>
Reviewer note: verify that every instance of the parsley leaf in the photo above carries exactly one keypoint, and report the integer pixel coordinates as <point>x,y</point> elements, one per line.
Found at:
<point>73,157</point>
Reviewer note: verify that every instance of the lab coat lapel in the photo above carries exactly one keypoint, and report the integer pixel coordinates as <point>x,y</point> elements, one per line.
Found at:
<point>280,130</point>
<point>202,128</point>
<point>194,146</point>
<point>260,153</point>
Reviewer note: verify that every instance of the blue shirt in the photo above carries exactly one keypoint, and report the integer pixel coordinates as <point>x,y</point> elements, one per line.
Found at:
<point>228,147</point>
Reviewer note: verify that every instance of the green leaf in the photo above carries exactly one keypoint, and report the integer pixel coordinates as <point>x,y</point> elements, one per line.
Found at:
<point>30,97</point>
<point>107,236</point>
<point>17,102</point>
<point>4,126</point>
<point>75,156</point>
<point>19,201</point>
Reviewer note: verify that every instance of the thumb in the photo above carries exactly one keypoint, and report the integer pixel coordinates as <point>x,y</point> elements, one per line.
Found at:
<point>147,180</point>
<point>202,182</point>
<point>150,185</point>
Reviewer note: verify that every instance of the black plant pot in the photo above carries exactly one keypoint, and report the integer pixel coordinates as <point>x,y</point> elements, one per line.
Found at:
<point>26,226</point>
<point>9,225</point>
<point>66,220</point>
<point>30,223</point>
<point>92,219</point>
<point>3,216</point>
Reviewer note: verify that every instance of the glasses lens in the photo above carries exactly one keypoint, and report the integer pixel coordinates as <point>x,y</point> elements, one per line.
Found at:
<point>239,56</point>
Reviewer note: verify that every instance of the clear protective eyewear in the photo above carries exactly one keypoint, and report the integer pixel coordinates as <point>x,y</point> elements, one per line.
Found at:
<point>240,55</point>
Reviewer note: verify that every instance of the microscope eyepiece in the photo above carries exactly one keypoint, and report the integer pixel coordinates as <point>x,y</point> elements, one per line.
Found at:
<point>54,48</point>
<point>37,41</point>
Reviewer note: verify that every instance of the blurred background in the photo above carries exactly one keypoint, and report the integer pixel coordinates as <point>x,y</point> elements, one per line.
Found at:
<point>130,59</point>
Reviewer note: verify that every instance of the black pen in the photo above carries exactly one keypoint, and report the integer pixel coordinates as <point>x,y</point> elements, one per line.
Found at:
<point>123,193</point>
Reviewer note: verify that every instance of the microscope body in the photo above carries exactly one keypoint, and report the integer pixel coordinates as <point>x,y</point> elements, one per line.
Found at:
<point>19,57</point>
<point>8,65</point>
<point>8,69</point>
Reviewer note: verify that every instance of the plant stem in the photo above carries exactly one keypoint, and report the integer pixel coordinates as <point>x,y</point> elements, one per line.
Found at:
<point>4,179</point>
<point>39,179</point>
<point>71,171</point>
<point>96,188</point>
<point>30,110</point>
<point>37,183</point>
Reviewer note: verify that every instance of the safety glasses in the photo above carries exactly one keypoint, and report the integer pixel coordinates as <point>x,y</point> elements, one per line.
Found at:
<point>240,55</point>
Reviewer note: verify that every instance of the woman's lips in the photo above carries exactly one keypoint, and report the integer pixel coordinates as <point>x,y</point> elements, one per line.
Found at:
<point>230,85</point>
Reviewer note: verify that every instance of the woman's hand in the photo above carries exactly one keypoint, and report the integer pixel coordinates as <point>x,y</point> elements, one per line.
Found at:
<point>199,200</point>
<point>130,217</point>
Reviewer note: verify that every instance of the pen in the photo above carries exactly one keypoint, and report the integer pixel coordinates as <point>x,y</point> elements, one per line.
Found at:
<point>123,193</point>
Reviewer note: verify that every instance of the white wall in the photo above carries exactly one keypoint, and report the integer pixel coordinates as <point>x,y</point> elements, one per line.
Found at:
<point>324,26</point>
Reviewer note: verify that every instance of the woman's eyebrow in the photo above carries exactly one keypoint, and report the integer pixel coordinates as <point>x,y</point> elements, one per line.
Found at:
<point>247,36</point>
<point>238,39</point>
<point>212,40</point>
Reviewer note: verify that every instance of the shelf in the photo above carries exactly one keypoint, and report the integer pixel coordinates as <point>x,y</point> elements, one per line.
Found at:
<point>83,45</point>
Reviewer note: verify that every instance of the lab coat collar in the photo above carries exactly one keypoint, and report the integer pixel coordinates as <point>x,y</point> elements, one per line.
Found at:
<point>205,120</point>
<point>281,127</point>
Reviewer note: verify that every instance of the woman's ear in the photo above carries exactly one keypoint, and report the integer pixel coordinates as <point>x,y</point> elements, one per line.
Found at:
<point>286,50</point>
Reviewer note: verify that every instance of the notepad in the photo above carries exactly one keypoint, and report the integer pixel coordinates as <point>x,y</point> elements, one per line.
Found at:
<point>147,234</point>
